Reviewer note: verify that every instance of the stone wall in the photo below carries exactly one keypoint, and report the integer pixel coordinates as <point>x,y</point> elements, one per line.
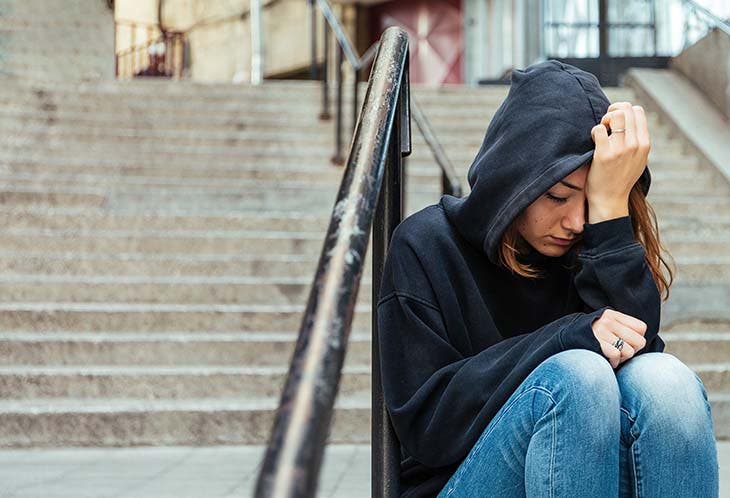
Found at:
<point>707,65</point>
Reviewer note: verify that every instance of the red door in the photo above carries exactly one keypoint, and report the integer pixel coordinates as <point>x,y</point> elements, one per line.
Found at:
<point>435,33</point>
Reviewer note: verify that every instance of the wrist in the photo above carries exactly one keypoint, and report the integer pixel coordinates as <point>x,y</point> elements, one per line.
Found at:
<point>607,210</point>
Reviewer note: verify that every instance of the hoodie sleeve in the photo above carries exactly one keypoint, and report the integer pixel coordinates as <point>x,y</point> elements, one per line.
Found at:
<point>439,396</point>
<point>439,400</point>
<point>614,274</point>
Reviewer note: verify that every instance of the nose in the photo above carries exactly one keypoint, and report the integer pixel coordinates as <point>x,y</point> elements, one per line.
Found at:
<point>574,219</point>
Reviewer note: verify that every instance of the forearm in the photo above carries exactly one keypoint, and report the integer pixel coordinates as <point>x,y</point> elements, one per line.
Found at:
<point>614,273</point>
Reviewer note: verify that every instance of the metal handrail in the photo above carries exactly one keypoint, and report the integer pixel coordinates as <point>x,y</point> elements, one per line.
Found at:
<point>449,180</point>
<point>138,58</point>
<point>718,22</point>
<point>346,49</point>
<point>382,138</point>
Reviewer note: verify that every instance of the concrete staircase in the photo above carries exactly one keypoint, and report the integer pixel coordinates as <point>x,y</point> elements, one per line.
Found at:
<point>158,241</point>
<point>68,40</point>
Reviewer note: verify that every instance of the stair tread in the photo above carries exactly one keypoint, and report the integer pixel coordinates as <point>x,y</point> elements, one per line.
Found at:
<point>87,405</point>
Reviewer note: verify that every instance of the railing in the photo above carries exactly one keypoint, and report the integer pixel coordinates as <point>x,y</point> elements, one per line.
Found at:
<point>702,16</point>
<point>382,138</point>
<point>156,54</point>
<point>346,50</point>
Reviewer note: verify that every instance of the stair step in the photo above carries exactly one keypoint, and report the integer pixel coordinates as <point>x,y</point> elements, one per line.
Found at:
<point>248,348</point>
<point>179,288</point>
<point>228,135</point>
<point>111,422</point>
<point>203,382</point>
<point>162,349</point>
<point>141,177</point>
<point>140,264</point>
<point>149,318</point>
<point>250,242</point>
<point>203,422</point>
<point>169,289</point>
<point>160,382</point>
<point>233,265</point>
<point>89,220</point>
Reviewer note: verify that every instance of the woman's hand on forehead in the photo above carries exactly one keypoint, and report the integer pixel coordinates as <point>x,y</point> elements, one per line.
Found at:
<point>618,161</point>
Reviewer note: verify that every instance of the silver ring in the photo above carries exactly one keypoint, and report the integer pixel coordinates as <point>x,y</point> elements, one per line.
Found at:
<point>618,344</point>
<point>618,130</point>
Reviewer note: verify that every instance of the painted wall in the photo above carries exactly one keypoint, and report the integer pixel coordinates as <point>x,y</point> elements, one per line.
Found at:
<point>220,41</point>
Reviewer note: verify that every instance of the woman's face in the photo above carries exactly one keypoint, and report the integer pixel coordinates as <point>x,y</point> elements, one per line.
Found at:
<point>553,223</point>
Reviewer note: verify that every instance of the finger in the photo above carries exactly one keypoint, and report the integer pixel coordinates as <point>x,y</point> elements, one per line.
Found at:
<point>615,120</point>
<point>627,350</point>
<point>631,338</point>
<point>631,322</point>
<point>621,104</point>
<point>599,134</point>
<point>642,126</point>
<point>612,354</point>
<point>629,123</point>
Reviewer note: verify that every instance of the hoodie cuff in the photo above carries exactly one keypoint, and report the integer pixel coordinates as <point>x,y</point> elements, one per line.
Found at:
<point>579,334</point>
<point>608,235</point>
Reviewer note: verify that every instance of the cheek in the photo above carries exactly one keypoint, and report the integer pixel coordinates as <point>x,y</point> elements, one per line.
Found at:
<point>535,220</point>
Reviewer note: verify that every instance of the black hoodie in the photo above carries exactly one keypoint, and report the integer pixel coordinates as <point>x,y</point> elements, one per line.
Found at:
<point>458,332</point>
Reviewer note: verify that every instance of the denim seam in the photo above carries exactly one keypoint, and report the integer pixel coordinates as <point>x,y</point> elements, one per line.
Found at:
<point>632,422</point>
<point>632,453</point>
<point>554,451</point>
<point>482,438</point>
<point>636,475</point>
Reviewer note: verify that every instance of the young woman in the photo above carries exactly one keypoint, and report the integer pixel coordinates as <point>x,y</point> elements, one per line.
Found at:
<point>519,325</point>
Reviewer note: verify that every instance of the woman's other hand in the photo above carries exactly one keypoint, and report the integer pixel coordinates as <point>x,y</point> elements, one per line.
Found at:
<point>613,324</point>
<point>618,161</point>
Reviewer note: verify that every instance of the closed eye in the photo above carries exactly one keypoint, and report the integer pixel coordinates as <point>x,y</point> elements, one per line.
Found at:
<point>553,198</point>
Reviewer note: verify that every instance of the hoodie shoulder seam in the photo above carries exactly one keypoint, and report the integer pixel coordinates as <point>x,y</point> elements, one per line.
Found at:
<point>410,297</point>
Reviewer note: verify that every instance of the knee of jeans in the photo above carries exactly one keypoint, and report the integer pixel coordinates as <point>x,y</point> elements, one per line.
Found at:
<point>674,394</point>
<point>585,374</point>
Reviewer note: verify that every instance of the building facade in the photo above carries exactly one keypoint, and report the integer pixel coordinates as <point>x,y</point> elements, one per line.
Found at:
<point>452,41</point>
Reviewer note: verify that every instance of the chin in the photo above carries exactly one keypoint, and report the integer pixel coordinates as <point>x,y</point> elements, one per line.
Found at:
<point>554,250</point>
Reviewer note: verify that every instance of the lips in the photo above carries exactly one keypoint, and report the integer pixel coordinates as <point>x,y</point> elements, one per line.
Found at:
<point>563,242</point>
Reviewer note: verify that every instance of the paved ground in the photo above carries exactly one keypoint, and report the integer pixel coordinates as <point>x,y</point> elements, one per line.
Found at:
<point>224,471</point>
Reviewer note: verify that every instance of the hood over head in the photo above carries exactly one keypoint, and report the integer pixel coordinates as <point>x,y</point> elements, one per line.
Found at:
<point>540,134</point>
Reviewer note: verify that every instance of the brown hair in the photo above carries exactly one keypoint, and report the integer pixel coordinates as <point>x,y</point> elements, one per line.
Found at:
<point>646,232</point>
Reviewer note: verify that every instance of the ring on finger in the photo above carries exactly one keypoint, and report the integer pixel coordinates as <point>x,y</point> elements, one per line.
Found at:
<point>618,130</point>
<point>618,344</point>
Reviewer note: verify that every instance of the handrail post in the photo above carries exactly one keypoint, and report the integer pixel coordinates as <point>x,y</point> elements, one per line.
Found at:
<point>116,57</point>
<point>385,452</point>
<point>313,40</point>
<point>134,51</point>
<point>385,467</point>
<point>325,114</point>
<point>337,158</point>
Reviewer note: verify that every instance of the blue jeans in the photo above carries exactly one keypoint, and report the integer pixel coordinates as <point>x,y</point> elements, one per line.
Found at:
<point>577,428</point>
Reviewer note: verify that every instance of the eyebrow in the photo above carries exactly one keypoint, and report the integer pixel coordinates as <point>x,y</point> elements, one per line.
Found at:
<point>571,186</point>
